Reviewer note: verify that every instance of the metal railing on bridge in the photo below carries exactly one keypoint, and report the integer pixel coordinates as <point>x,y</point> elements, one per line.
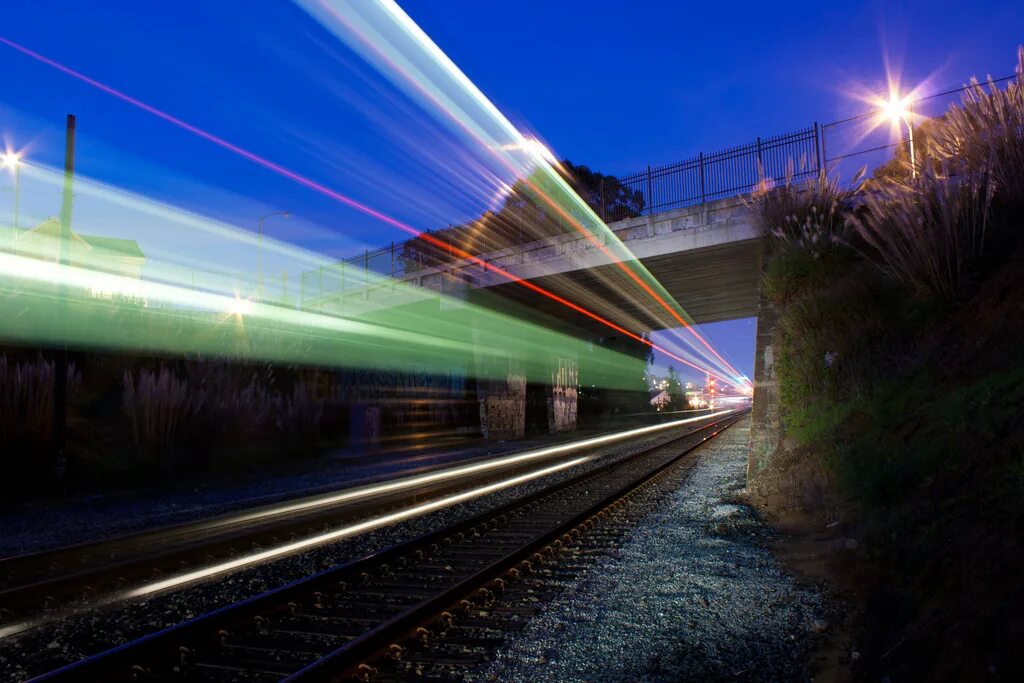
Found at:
<point>726,173</point>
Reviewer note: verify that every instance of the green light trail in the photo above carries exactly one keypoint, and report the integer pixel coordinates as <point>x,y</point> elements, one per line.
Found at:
<point>165,305</point>
<point>383,34</point>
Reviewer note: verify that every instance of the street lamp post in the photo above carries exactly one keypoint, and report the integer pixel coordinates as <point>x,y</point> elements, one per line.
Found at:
<point>899,109</point>
<point>259,276</point>
<point>12,160</point>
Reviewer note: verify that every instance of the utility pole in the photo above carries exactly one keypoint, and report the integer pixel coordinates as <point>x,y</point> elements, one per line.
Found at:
<point>60,378</point>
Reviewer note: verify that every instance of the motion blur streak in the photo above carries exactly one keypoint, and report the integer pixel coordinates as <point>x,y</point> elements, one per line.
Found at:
<point>312,541</point>
<point>382,520</point>
<point>456,472</point>
<point>386,35</point>
<point>95,310</point>
<point>351,530</point>
<point>313,185</point>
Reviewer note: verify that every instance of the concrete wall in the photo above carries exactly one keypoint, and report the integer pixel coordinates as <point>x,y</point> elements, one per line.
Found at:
<point>764,427</point>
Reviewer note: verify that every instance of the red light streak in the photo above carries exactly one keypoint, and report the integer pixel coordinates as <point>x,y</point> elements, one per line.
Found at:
<point>337,196</point>
<point>576,225</point>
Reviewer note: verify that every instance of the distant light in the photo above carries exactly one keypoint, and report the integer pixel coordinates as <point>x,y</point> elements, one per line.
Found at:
<point>239,307</point>
<point>10,160</point>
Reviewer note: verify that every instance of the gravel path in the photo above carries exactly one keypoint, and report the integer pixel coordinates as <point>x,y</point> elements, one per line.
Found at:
<point>46,648</point>
<point>694,594</point>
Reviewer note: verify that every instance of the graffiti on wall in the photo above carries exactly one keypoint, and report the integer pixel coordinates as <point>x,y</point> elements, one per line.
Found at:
<point>562,408</point>
<point>503,407</point>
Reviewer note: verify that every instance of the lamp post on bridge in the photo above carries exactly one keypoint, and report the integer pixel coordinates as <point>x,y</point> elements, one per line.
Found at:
<point>12,160</point>
<point>259,276</point>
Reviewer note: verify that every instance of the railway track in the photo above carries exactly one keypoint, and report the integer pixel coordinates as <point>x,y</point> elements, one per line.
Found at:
<point>43,587</point>
<point>433,605</point>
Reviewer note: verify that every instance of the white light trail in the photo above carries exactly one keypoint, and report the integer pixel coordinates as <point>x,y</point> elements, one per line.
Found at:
<point>451,473</point>
<point>375,522</point>
<point>346,531</point>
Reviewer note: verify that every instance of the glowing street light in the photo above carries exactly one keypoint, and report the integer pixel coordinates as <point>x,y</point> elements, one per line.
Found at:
<point>898,109</point>
<point>259,277</point>
<point>12,160</point>
<point>239,307</point>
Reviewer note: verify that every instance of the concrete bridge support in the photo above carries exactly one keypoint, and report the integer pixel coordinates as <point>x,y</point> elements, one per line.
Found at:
<point>764,425</point>
<point>503,406</point>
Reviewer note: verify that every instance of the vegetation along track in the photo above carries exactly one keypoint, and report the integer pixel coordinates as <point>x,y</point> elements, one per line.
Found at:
<point>357,619</point>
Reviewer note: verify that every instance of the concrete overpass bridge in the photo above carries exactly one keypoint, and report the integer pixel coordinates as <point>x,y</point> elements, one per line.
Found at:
<point>707,257</point>
<point>693,236</point>
<point>696,238</point>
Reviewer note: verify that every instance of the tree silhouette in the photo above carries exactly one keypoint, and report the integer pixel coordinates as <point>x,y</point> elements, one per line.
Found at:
<point>606,194</point>
<point>527,216</point>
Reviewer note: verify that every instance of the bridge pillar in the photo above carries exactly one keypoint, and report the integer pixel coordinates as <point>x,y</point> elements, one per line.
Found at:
<point>503,405</point>
<point>764,424</point>
<point>563,396</point>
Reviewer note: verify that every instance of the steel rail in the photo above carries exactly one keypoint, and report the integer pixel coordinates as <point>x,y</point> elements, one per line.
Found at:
<point>348,658</point>
<point>168,650</point>
<point>112,565</point>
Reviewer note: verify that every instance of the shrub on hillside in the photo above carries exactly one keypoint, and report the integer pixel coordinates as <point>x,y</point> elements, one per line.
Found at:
<point>156,404</point>
<point>806,225</point>
<point>26,415</point>
<point>986,134</point>
<point>805,216</point>
<point>928,232</point>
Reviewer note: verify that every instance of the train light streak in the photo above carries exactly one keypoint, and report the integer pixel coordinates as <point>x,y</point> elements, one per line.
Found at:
<point>310,542</point>
<point>328,192</point>
<point>177,303</point>
<point>456,472</point>
<point>347,531</point>
<point>379,521</point>
<point>387,36</point>
<point>140,314</point>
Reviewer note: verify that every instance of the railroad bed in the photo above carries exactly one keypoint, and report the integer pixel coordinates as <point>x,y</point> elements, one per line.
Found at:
<point>43,587</point>
<point>430,606</point>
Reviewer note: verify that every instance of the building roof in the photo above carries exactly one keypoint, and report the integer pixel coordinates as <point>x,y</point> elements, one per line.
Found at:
<point>111,245</point>
<point>114,244</point>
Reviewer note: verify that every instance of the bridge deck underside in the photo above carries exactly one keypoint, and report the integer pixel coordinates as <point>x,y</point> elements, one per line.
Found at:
<point>711,284</point>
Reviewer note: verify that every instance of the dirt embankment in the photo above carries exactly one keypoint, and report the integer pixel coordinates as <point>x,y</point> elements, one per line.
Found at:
<point>929,584</point>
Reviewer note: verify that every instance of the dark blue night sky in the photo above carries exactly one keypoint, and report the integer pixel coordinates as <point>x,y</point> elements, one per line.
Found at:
<point>614,85</point>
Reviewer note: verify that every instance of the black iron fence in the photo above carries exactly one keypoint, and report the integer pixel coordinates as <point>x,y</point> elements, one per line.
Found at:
<point>726,173</point>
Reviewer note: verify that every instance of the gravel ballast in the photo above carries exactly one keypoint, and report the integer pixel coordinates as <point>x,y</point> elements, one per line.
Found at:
<point>694,594</point>
<point>46,648</point>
